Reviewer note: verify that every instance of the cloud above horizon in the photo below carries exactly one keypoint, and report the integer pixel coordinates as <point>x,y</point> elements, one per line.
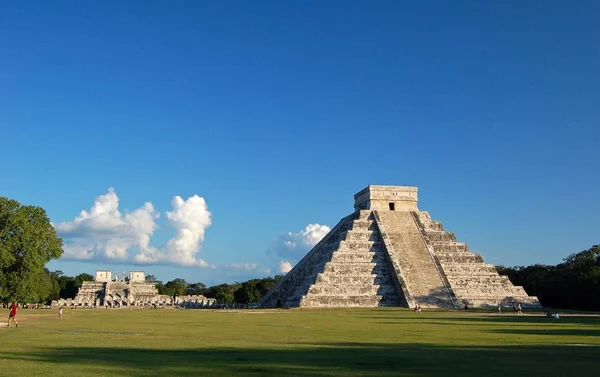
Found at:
<point>285,266</point>
<point>293,246</point>
<point>105,234</point>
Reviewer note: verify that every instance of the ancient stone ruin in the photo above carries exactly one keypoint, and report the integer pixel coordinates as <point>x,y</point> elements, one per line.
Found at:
<point>131,291</point>
<point>390,253</point>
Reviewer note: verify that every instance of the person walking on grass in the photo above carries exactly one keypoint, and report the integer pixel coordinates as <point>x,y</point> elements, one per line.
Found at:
<point>60,313</point>
<point>519,309</point>
<point>12,315</point>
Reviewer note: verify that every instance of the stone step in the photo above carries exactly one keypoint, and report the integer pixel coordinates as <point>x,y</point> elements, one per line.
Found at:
<point>441,236</point>
<point>361,257</point>
<point>365,215</point>
<point>432,226</point>
<point>363,225</point>
<point>350,289</point>
<point>357,245</point>
<point>360,236</point>
<point>441,248</point>
<point>485,292</point>
<point>435,244</point>
<point>346,301</point>
<point>479,281</point>
<point>354,268</point>
<point>472,258</point>
<point>454,254</point>
<point>459,268</point>
<point>495,299</point>
<point>375,248</point>
<point>351,279</point>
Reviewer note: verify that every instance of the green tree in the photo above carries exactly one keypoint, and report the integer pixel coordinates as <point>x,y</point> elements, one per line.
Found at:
<point>196,289</point>
<point>79,279</point>
<point>248,292</point>
<point>254,290</point>
<point>152,279</point>
<point>177,287</point>
<point>53,286</point>
<point>163,290</point>
<point>27,242</point>
<point>573,284</point>
<point>223,294</point>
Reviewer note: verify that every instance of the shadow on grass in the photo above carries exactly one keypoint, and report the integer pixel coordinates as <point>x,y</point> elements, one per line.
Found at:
<point>550,331</point>
<point>339,359</point>
<point>490,319</point>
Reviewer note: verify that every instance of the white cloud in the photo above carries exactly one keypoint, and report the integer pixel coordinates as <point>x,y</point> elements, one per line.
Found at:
<point>294,245</point>
<point>285,266</point>
<point>105,233</point>
<point>189,218</point>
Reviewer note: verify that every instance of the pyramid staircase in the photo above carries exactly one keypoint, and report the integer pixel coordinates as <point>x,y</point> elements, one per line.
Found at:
<point>473,282</point>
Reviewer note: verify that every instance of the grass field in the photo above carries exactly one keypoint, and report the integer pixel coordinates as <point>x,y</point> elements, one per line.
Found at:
<point>336,342</point>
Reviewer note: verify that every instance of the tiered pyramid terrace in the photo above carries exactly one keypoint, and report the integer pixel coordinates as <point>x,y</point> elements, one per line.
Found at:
<point>389,253</point>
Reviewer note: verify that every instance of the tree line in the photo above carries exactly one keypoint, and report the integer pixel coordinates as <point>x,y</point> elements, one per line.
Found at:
<point>247,292</point>
<point>28,241</point>
<point>572,284</point>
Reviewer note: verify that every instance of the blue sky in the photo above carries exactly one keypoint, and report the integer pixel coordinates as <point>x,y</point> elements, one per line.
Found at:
<point>271,115</point>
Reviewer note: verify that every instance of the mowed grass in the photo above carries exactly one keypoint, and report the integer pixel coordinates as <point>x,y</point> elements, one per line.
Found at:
<point>335,342</point>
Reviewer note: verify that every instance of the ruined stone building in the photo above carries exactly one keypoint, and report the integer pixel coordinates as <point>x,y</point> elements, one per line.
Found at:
<point>390,253</point>
<point>132,290</point>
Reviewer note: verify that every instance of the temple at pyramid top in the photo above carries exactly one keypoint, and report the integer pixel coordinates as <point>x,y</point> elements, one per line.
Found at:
<point>388,252</point>
<point>386,198</point>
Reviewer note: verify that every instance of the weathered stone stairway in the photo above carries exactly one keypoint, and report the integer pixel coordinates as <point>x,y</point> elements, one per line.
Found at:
<point>417,266</point>
<point>473,282</point>
<point>357,274</point>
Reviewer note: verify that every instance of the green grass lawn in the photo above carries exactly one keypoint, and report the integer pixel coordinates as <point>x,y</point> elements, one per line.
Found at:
<point>335,342</point>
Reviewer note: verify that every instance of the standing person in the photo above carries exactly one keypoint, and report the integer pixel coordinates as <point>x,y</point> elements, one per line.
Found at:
<point>499,308</point>
<point>60,313</point>
<point>13,315</point>
<point>519,309</point>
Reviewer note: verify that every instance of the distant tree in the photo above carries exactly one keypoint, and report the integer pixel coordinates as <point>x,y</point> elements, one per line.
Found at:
<point>573,284</point>
<point>27,242</point>
<point>223,294</point>
<point>79,279</point>
<point>196,289</point>
<point>53,286</point>
<point>68,287</point>
<point>163,290</point>
<point>177,287</point>
<point>253,290</point>
<point>248,292</point>
<point>151,279</point>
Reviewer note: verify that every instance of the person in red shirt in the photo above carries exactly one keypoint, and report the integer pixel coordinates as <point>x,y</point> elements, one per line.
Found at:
<point>13,315</point>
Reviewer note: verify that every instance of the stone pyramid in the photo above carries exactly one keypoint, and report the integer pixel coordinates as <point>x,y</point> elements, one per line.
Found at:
<point>389,253</point>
